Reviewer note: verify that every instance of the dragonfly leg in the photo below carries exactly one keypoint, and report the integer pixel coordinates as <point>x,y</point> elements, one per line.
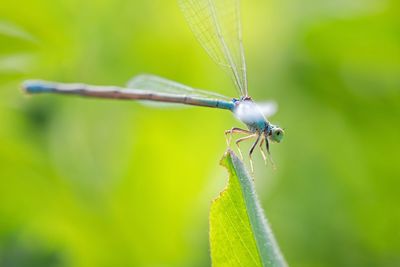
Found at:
<point>243,139</point>
<point>269,154</point>
<point>267,145</point>
<point>229,133</point>
<point>251,152</point>
<point>262,150</point>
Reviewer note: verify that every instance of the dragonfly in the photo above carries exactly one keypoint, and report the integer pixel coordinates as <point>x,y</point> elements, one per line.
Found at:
<point>216,25</point>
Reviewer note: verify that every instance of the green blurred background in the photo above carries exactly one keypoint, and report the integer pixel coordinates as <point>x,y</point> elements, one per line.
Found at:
<point>108,183</point>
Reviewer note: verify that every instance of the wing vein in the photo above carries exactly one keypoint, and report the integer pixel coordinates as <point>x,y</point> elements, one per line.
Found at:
<point>216,25</point>
<point>240,38</point>
<point>226,50</point>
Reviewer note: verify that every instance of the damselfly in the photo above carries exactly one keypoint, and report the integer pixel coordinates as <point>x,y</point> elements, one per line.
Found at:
<point>216,24</point>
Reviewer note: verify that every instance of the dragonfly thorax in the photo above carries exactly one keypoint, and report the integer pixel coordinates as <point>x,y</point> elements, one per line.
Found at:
<point>248,112</point>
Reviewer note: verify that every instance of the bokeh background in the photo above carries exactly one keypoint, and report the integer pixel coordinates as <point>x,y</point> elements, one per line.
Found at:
<point>109,183</point>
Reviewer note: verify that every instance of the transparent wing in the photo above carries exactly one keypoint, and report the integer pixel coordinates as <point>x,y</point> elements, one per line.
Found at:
<point>268,108</point>
<point>216,25</point>
<point>155,84</point>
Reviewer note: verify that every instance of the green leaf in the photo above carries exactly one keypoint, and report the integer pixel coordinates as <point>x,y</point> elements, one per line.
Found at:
<point>239,232</point>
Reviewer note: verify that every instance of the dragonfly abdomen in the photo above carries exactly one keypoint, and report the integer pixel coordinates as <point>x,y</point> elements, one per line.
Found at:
<point>113,92</point>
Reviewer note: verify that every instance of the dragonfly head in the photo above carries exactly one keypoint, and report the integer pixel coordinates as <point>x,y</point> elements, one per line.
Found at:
<point>277,134</point>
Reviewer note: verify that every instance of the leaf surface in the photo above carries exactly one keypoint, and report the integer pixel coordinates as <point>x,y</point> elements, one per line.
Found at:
<point>239,232</point>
